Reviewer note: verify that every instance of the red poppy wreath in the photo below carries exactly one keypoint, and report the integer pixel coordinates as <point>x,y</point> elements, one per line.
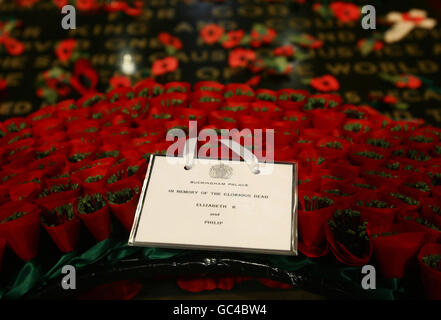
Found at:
<point>369,187</point>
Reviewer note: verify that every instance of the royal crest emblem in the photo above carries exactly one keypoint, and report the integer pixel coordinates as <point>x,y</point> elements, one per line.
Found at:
<point>221,171</point>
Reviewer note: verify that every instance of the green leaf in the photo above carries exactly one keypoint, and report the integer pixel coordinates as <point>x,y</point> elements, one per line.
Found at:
<point>9,26</point>
<point>300,55</point>
<point>260,28</point>
<point>389,77</point>
<point>367,46</point>
<point>246,39</point>
<point>401,106</point>
<point>170,50</point>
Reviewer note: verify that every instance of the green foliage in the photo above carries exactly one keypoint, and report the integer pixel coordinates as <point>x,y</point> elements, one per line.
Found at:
<point>132,170</point>
<point>93,178</point>
<point>209,99</point>
<point>58,188</point>
<point>433,261</point>
<point>355,127</point>
<point>317,203</point>
<point>106,154</point>
<point>337,192</point>
<point>295,97</point>
<point>370,155</point>
<point>115,177</point>
<point>92,101</point>
<point>421,138</point>
<point>420,185</point>
<point>14,128</point>
<point>162,116</point>
<point>418,155</point>
<point>79,156</point>
<point>406,199</point>
<point>393,165</point>
<point>382,174</point>
<point>333,145</point>
<point>90,203</point>
<point>350,230</point>
<point>44,154</point>
<point>266,97</point>
<point>59,215</point>
<point>315,103</point>
<point>354,114</point>
<point>203,88</point>
<point>122,196</point>
<point>435,177</point>
<point>379,143</point>
<point>237,92</point>
<point>364,186</point>
<point>14,216</point>
<point>375,204</point>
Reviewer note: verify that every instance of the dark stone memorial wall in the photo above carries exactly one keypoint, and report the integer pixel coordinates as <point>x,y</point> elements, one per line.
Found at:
<point>106,37</point>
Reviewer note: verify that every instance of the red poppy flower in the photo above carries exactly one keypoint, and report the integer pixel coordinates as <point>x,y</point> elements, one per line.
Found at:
<point>378,45</point>
<point>85,78</point>
<point>326,83</point>
<point>115,6</point>
<point>14,47</point>
<point>315,43</point>
<point>257,65</point>
<point>284,51</point>
<point>254,81</point>
<point>406,16</point>
<point>262,35</point>
<point>22,232</point>
<point>168,40</point>
<point>3,84</point>
<point>65,49</point>
<point>233,39</point>
<point>208,86</point>
<point>389,99</point>
<point>307,41</point>
<point>240,58</point>
<point>58,81</point>
<point>317,6</point>
<point>211,33</point>
<point>26,3</point>
<point>345,12</point>
<point>286,70</point>
<point>430,269</point>
<point>135,9</point>
<point>87,5</point>
<point>61,3</point>
<point>177,86</point>
<point>408,81</point>
<point>119,82</point>
<point>163,66</point>
<point>373,44</point>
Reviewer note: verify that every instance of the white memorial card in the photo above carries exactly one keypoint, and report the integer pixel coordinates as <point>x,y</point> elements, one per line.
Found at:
<point>217,205</point>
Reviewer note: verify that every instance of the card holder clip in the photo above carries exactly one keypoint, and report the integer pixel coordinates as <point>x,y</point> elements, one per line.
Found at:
<point>251,160</point>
